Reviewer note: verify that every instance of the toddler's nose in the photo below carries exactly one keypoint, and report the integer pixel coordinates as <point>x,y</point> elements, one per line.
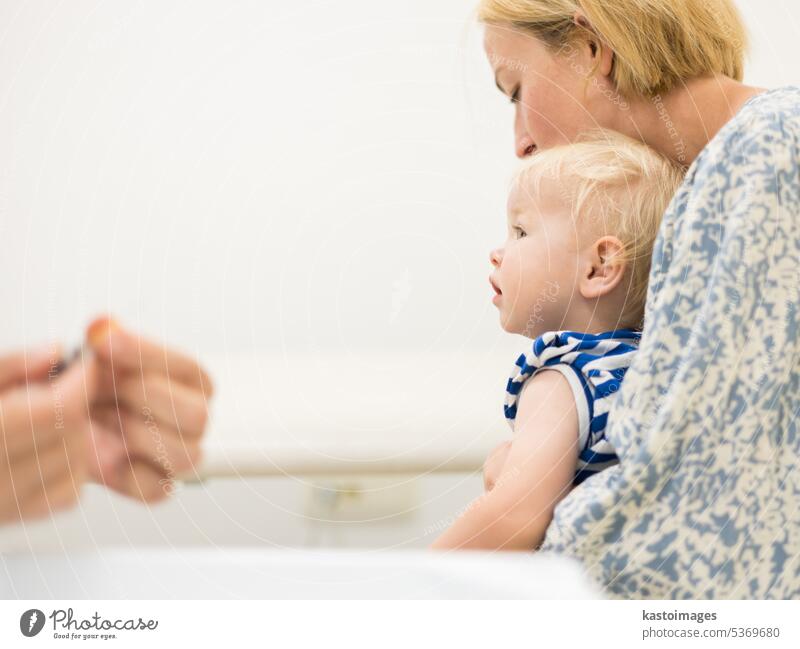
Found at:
<point>496,257</point>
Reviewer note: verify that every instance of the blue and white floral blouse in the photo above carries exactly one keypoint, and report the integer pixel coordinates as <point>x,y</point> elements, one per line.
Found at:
<point>705,502</point>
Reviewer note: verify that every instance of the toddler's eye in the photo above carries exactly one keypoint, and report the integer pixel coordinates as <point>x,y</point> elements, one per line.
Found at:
<point>519,232</point>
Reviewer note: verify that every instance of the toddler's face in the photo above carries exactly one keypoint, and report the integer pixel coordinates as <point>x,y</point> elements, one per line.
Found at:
<point>536,270</point>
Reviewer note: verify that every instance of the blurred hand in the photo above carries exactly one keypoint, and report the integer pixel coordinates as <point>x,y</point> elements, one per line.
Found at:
<point>44,429</point>
<point>493,465</point>
<point>149,415</point>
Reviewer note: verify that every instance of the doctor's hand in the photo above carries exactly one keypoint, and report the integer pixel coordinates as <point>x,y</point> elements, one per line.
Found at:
<point>44,429</point>
<point>149,415</point>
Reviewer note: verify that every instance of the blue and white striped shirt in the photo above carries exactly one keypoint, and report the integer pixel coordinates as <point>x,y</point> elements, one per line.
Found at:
<point>594,365</point>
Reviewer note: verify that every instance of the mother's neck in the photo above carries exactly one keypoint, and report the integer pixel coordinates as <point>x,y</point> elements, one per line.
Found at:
<point>680,123</point>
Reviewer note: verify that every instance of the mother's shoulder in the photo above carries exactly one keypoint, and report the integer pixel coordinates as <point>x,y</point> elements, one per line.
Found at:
<point>767,124</point>
<point>764,114</point>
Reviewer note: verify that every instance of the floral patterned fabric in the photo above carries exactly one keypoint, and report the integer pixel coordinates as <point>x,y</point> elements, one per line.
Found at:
<point>705,502</point>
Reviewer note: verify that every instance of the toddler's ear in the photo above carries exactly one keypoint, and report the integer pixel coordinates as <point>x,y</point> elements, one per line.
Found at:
<point>603,268</point>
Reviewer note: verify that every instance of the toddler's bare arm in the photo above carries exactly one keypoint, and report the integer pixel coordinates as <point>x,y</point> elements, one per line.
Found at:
<point>536,475</point>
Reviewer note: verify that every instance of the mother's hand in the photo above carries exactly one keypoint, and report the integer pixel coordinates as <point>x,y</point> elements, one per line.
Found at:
<point>149,415</point>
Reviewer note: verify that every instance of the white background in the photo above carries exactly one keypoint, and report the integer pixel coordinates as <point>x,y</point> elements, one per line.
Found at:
<point>262,184</point>
<point>243,176</point>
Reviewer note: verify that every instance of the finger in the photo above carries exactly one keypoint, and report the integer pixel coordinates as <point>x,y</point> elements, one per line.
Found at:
<point>51,484</point>
<point>28,365</point>
<point>67,398</point>
<point>143,482</point>
<point>128,352</point>
<point>22,477</point>
<point>106,451</point>
<point>48,467</point>
<point>63,495</point>
<point>41,412</point>
<point>78,385</point>
<point>165,403</point>
<point>161,447</point>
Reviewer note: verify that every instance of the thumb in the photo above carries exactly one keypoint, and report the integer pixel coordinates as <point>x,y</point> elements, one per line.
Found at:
<point>28,365</point>
<point>53,405</point>
<point>76,387</point>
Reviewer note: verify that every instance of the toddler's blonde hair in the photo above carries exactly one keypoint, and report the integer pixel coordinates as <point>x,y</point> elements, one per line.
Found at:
<point>623,186</point>
<point>657,44</point>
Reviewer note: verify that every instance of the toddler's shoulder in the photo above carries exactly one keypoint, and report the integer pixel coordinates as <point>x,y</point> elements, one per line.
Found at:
<point>583,351</point>
<point>593,364</point>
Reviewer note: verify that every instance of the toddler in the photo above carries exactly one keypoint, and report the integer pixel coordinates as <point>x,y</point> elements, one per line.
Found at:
<point>572,276</point>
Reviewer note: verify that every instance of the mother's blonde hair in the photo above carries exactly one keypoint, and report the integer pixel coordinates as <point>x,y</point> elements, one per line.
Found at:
<point>656,43</point>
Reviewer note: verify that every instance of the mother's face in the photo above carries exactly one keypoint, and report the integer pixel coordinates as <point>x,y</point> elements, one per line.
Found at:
<point>556,94</point>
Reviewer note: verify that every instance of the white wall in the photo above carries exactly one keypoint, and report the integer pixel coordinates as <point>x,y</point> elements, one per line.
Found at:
<point>246,175</point>
<point>257,176</point>
<point>262,175</point>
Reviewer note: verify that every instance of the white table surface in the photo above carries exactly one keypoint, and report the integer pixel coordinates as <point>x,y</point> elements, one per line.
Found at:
<point>223,573</point>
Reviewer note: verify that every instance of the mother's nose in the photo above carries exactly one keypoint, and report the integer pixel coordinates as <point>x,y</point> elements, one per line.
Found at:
<point>524,146</point>
<point>496,257</point>
<point>523,143</point>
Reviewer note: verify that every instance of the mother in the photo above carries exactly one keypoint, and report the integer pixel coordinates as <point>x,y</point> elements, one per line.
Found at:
<point>704,502</point>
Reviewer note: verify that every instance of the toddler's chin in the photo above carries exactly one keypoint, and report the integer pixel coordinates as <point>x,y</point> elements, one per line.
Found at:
<point>526,329</point>
<point>508,324</point>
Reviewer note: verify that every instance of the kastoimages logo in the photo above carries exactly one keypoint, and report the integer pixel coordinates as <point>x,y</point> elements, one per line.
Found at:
<point>31,622</point>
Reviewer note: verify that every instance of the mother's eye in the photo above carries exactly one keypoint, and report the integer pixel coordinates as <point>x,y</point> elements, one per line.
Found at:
<point>515,95</point>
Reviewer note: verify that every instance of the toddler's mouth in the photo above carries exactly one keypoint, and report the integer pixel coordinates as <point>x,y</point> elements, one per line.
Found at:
<point>494,286</point>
